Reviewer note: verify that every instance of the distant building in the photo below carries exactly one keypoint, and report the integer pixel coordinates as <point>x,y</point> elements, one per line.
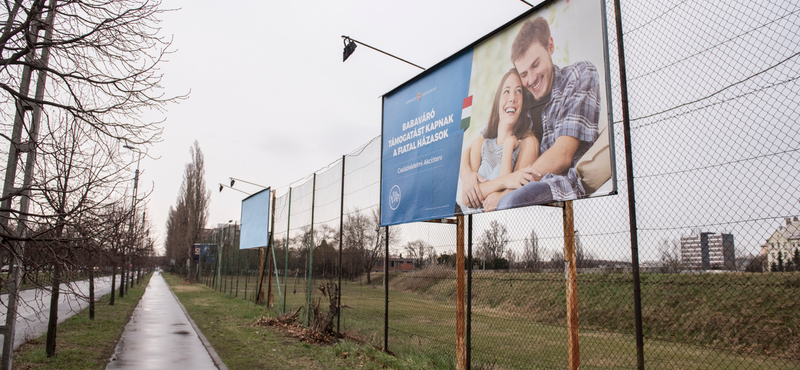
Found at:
<point>395,264</point>
<point>708,251</point>
<point>785,241</point>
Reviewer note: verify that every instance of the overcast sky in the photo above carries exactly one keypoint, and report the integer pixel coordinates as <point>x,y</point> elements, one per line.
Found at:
<point>270,99</point>
<point>271,102</point>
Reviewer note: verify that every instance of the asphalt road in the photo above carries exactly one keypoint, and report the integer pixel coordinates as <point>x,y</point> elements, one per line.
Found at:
<point>34,307</point>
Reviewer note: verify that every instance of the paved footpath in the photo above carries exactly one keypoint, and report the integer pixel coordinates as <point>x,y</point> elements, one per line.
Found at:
<point>160,335</point>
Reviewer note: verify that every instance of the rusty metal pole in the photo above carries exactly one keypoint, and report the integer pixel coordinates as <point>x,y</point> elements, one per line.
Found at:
<point>573,346</point>
<point>461,316</point>
<point>271,247</point>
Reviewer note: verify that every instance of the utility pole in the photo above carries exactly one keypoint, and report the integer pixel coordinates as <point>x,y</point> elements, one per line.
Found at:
<point>18,145</point>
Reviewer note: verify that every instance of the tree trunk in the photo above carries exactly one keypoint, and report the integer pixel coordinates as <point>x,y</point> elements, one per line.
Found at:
<point>91,292</point>
<point>52,324</point>
<point>113,282</point>
<point>122,279</point>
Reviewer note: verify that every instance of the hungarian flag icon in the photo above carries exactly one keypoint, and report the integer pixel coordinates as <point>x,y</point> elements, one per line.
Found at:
<point>466,113</point>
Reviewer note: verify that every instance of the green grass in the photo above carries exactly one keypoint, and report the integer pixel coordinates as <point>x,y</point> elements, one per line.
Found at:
<point>709,321</point>
<point>227,322</point>
<point>83,343</point>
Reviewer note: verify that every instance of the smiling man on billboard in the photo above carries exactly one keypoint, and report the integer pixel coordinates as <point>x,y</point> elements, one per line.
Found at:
<point>565,108</point>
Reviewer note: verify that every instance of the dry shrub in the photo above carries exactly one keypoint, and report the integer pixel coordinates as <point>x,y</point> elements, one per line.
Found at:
<point>321,330</point>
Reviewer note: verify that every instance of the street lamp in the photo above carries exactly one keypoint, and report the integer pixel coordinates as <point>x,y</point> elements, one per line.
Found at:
<point>233,181</point>
<point>222,186</point>
<point>350,47</point>
<point>124,285</point>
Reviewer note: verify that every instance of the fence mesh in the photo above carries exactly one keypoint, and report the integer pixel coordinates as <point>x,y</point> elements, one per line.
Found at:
<point>713,106</point>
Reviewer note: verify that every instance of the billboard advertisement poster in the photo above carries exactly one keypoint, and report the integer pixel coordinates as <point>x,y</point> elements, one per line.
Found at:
<point>255,220</point>
<point>206,251</point>
<point>519,118</point>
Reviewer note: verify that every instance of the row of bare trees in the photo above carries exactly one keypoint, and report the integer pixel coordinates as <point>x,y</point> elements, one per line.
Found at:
<point>363,245</point>
<point>75,77</point>
<point>493,252</point>
<point>187,220</point>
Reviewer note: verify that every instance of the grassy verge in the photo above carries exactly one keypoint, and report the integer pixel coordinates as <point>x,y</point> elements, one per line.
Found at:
<point>84,343</point>
<point>227,322</point>
<point>518,319</point>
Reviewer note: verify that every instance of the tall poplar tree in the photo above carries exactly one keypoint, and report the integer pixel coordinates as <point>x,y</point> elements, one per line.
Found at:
<point>185,222</point>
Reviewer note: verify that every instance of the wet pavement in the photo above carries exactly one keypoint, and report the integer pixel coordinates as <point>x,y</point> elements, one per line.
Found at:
<point>34,307</point>
<point>161,336</point>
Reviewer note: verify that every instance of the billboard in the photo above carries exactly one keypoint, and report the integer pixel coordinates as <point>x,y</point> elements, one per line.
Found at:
<point>206,251</point>
<point>255,220</point>
<point>519,118</point>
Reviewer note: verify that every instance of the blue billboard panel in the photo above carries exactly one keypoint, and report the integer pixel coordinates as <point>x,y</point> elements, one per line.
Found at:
<point>520,118</point>
<point>255,220</point>
<point>421,144</point>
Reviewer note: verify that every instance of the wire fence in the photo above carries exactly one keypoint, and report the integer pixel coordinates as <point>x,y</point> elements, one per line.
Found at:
<point>715,155</point>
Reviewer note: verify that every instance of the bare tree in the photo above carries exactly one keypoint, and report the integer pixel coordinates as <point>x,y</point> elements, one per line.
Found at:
<point>421,251</point>
<point>74,176</point>
<point>187,220</point>
<point>583,258</point>
<point>557,259</point>
<point>493,242</point>
<point>323,253</point>
<point>670,256</point>
<point>381,235</point>
<point>102,65</point>
<point>95,62</point>
<point>511,257</point>
<point>365,240</point>
<point>532,256</point>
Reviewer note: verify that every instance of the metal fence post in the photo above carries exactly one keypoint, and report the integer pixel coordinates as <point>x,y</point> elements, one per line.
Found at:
<point>286,250</point>
<point>386,295</point>
<point>469,292</point>
<point>311,251</point>
<point>461,318</point>
<point>339,268</point>
<point>626,127</point>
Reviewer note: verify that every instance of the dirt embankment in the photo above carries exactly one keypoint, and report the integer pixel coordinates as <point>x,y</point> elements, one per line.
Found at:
<point>748,313</point>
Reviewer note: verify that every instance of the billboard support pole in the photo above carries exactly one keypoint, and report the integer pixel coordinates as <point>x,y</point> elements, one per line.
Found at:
<point>386,294</point>
<point>461,348</point>
<point>573,346</point>
<point>626,129</point>
<point>269,256</point>
<point>469,291</point>
<point>260,291</point>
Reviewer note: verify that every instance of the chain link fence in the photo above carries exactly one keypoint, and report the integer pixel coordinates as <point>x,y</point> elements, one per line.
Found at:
<point>714,135</point>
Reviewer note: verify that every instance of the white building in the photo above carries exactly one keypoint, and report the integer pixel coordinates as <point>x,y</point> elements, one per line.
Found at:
<point>708,251</point>
<point>785,241</point>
